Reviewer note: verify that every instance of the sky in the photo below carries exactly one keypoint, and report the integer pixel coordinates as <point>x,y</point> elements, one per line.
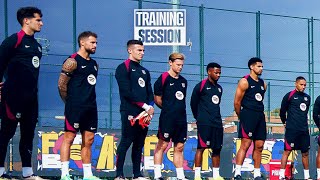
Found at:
<point>230,39</point>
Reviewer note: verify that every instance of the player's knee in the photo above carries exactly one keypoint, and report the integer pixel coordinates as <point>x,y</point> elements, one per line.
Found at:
<point>200,149</point>
<point>7,133</point>
<point>179,147</point>
<point>258,148</point>
<point>216,152</point>
<point>305,153</point>
<point>69,137</point>
<point>245,146</point>
<point>162,145</point>
<point>89,141</point>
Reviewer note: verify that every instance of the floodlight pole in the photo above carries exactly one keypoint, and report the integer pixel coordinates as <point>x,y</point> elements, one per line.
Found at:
<point>310,68</point>
<point>74,5</point>
<point>5,18</point>
<point>175,5</point>
<point>258,34</point>
<point>201,37</point>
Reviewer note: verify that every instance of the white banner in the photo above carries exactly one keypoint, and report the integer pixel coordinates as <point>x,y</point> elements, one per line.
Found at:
<point>160,27</point>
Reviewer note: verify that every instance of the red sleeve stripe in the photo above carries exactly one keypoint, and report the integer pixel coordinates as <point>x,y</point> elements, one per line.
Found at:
<point>20,35</point>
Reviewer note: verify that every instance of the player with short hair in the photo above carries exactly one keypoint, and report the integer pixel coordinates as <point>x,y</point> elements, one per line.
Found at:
<point>20,55</point>
<point>136,97</point>
<point>76,84</point>
<point>248,105</point>
<point>170,91</point>
<point>205,106</point>
<point>294,115</point>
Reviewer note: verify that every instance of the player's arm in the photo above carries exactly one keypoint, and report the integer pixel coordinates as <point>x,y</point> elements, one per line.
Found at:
<point>158,92</point>
<point>195,99</point>
<point>150,95</point>
<point>284,108</point>
<point>241,89</point>
<point>158,101</point>
<point>6,50</point>
<point>125,89</point>
<point>68,68</point>
<point>316,111</point>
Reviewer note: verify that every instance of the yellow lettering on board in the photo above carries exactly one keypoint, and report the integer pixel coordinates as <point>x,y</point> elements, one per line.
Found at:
<point>105,160</point>
<point>47,142</point>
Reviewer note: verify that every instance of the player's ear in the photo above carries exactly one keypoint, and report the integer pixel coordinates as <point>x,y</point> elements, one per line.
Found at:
<point>251,66</point>
<point>26,21</point>
<point>129,50</point>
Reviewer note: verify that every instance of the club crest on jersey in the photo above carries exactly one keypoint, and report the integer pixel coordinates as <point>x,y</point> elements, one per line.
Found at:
<point>95,68</point>
<point>39,48</point>
<point>18,115</point>
<point>292,144</point>
<point>262,88</point>
<point>91,79</point>
<point>36,61</point>
<point>208,143</point>
<point>258,97</point>
<point>166,135</point>
<point>179,95</point>
<point>303,106</point>
<point>143,71</point>
<point>215,99</point>
<point>250,134</point>
<point>219,89</point>
<point>76,125</point>
<point>305,98</point>
<point>141,82</point>
<point>183,85</point>
<point>130,117</point>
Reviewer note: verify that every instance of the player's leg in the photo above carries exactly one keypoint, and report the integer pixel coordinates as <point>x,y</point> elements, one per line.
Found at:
<point>260,135</point>
<point>217,141</point>
<point>127,134</point>
<point>164,135</point>
<point>204,134</point>
<point>288,147</point>
<point>179,138</point>
<point>72,119</point>
<point>136,154</point>
<point>88,127</point>
<point>7,131</point>
<point>246,128</point>
<point>304,145</point>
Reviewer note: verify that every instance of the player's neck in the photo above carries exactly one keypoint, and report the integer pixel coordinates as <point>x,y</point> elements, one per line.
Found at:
<point>212,81</point>
<point>254,76</point>
<point>173,74</point>
<point>134,60</point>
<point>298,90</point>
<point>84,54</point>
<point>28,31</point>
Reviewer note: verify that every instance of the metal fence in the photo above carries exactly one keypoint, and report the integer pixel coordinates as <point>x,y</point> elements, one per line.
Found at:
<point>289,47</point>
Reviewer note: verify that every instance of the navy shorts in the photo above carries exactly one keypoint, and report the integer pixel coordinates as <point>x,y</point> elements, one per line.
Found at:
<point>210,137</point>
<point>252,125</point>
<point>81,119</point>
<point>177,132</point>
<point>297,140</point>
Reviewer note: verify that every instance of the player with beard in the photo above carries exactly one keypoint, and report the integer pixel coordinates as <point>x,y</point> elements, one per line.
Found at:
<point>248,105</point>
<point>294,115</point>
<point>77,90</point>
